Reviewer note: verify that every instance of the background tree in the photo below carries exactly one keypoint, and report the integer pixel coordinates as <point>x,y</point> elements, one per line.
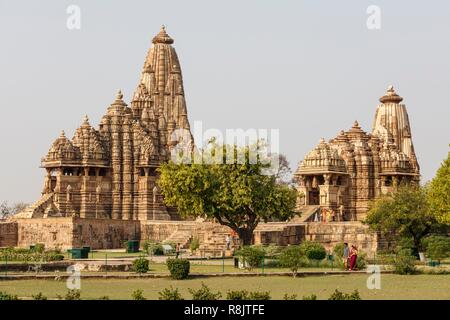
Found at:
<point>404,213</point>
<point>234,191</point>
<point>6,210</point>
<point>439,193</point>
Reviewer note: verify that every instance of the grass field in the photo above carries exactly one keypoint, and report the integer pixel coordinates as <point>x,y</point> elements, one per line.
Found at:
<point>392,286</point>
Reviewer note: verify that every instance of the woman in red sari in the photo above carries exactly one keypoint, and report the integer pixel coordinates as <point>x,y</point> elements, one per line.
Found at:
<point>353,258</point>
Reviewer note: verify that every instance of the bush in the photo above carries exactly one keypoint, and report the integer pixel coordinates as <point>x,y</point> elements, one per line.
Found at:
<point>404,263</point>
<point>437,247</point>
<point>39,296</point>
<point>141,265</point>
<point>73,295</point>
<point>170,294</point>
<point>290,296</point>
<point>195,244</point>
<point>237,295</point>
<point>179,268</point>
<point>338,295</point>
<point>138,294</point>
<point>273,250</point>
<point>292,257</point>
<point>204,293</point>
<point>7,296</point>
<point>259,295</point>
<point>153,248</point>
<point>310,297</point>
<point>313,250</point>
<point>39,247</point>
<point>252,255</point>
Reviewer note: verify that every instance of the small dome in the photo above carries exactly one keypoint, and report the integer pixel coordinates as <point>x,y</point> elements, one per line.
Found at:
<point>62,149</point>
<point>323,158</point>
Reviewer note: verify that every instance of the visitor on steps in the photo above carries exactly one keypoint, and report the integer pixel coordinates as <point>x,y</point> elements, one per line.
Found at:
<point>346,255</point>
<point>228,241</point>
<point>353,258</point>
<point>177,250</point>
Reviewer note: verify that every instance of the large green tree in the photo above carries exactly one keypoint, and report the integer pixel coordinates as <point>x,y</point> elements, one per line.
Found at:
<point>404,213</point>
<point>439,193</point>
<point>233,190</point>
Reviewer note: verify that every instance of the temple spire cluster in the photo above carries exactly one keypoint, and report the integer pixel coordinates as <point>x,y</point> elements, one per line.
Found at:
<point>110,172</point>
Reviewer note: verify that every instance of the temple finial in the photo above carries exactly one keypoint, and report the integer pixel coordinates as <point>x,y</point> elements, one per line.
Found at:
<point>119,95</point>
<point>86,119</point>
<point>391,96</point>
<point>62,134</point>
<point>162,37</point>
<point>356,124</point>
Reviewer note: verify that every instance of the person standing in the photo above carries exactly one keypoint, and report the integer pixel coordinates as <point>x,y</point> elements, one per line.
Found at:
<point>346,255</point>
<point>177,250</point>
<point>228,241</point>
<point>353,258</point>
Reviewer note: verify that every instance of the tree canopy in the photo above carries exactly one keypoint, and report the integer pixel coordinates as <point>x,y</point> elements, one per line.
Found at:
<point>404,213</point>
<point>439,193</point>
<point>234,190</point>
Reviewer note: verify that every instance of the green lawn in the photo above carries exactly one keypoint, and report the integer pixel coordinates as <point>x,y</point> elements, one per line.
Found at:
<point>393,286</point>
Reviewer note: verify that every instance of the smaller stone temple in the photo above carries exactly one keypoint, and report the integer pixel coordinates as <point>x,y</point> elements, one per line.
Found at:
<point>341,176</point>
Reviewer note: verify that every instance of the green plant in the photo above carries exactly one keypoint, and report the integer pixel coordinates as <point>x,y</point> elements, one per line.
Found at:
<point>153,248</point>
<point>338,295</point>
<point>73,295</point>
<point>39,296</point>
<point>313,250</point>
<point>404,262</point>
<point>252,255</point>
<point>194,245</point>
<point>437,247</point>
<point>204,293</point>
<point>138,294</point>
<point>170,294</point>
<point>290,296</point>
<point>39,247</point>
<point>237,295</point>
<point>179,268</point>
<point>255,295</point>
<point>310,297</point>
<point>272,250</point>
<point>141,265</point>
<point>7,296</point>
<point>292,257</point>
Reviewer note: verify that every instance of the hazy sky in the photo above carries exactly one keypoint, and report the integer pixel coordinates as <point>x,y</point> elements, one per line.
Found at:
<point>308,68</point>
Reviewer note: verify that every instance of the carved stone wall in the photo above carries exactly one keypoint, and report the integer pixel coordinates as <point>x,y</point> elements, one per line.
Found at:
<point>8,234</point>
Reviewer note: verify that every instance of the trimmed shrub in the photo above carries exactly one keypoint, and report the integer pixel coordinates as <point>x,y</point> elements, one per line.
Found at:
<point>404,263</point>
<point>170,294</point>
<point>73,295</point>
<point>179,268</point>
<point>310,297</point>
<point>338,295</point>
<point>39,296</point>
<point>248,295</point>
<point>292,257</point>
<point>204,293</point>
<point>138,294</point>
<point>313,250</point>
<point>141,265</point>
<point>7,296</point>
<point>252,255</point>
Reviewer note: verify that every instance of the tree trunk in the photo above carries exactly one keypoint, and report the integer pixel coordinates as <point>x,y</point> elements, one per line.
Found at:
<point>246,236</point>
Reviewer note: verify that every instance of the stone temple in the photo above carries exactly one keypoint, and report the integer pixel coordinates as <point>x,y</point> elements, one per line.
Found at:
<point>345,173</point>
<point>100,186</point>
<point>110,172</point>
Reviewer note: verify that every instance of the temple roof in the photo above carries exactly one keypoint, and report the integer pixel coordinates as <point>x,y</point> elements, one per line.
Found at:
<point>162,37</point>
<point>391,96</point>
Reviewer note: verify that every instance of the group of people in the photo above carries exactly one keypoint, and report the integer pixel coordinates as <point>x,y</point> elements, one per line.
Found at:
<point>350,257</point>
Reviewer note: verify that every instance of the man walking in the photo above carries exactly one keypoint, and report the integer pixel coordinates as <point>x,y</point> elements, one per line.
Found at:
<point>346,255</point>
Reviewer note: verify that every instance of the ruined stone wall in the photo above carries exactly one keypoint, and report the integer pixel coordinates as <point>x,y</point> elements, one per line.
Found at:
<point>52,232</point>
<point>67,233</point>
<point>104,233</point>
<point>8,234</point>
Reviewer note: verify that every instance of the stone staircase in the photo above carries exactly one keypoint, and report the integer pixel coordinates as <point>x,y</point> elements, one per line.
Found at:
<point>306,214</point>
<point>37,209</point>
<point>183,235</point>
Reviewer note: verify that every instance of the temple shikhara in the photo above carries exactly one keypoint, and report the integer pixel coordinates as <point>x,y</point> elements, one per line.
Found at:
<point>110,172</point>
<point>100,186</point>
<point>345,173</point>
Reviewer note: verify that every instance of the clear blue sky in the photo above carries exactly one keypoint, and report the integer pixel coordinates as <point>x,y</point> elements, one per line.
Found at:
<point>308,68</point>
